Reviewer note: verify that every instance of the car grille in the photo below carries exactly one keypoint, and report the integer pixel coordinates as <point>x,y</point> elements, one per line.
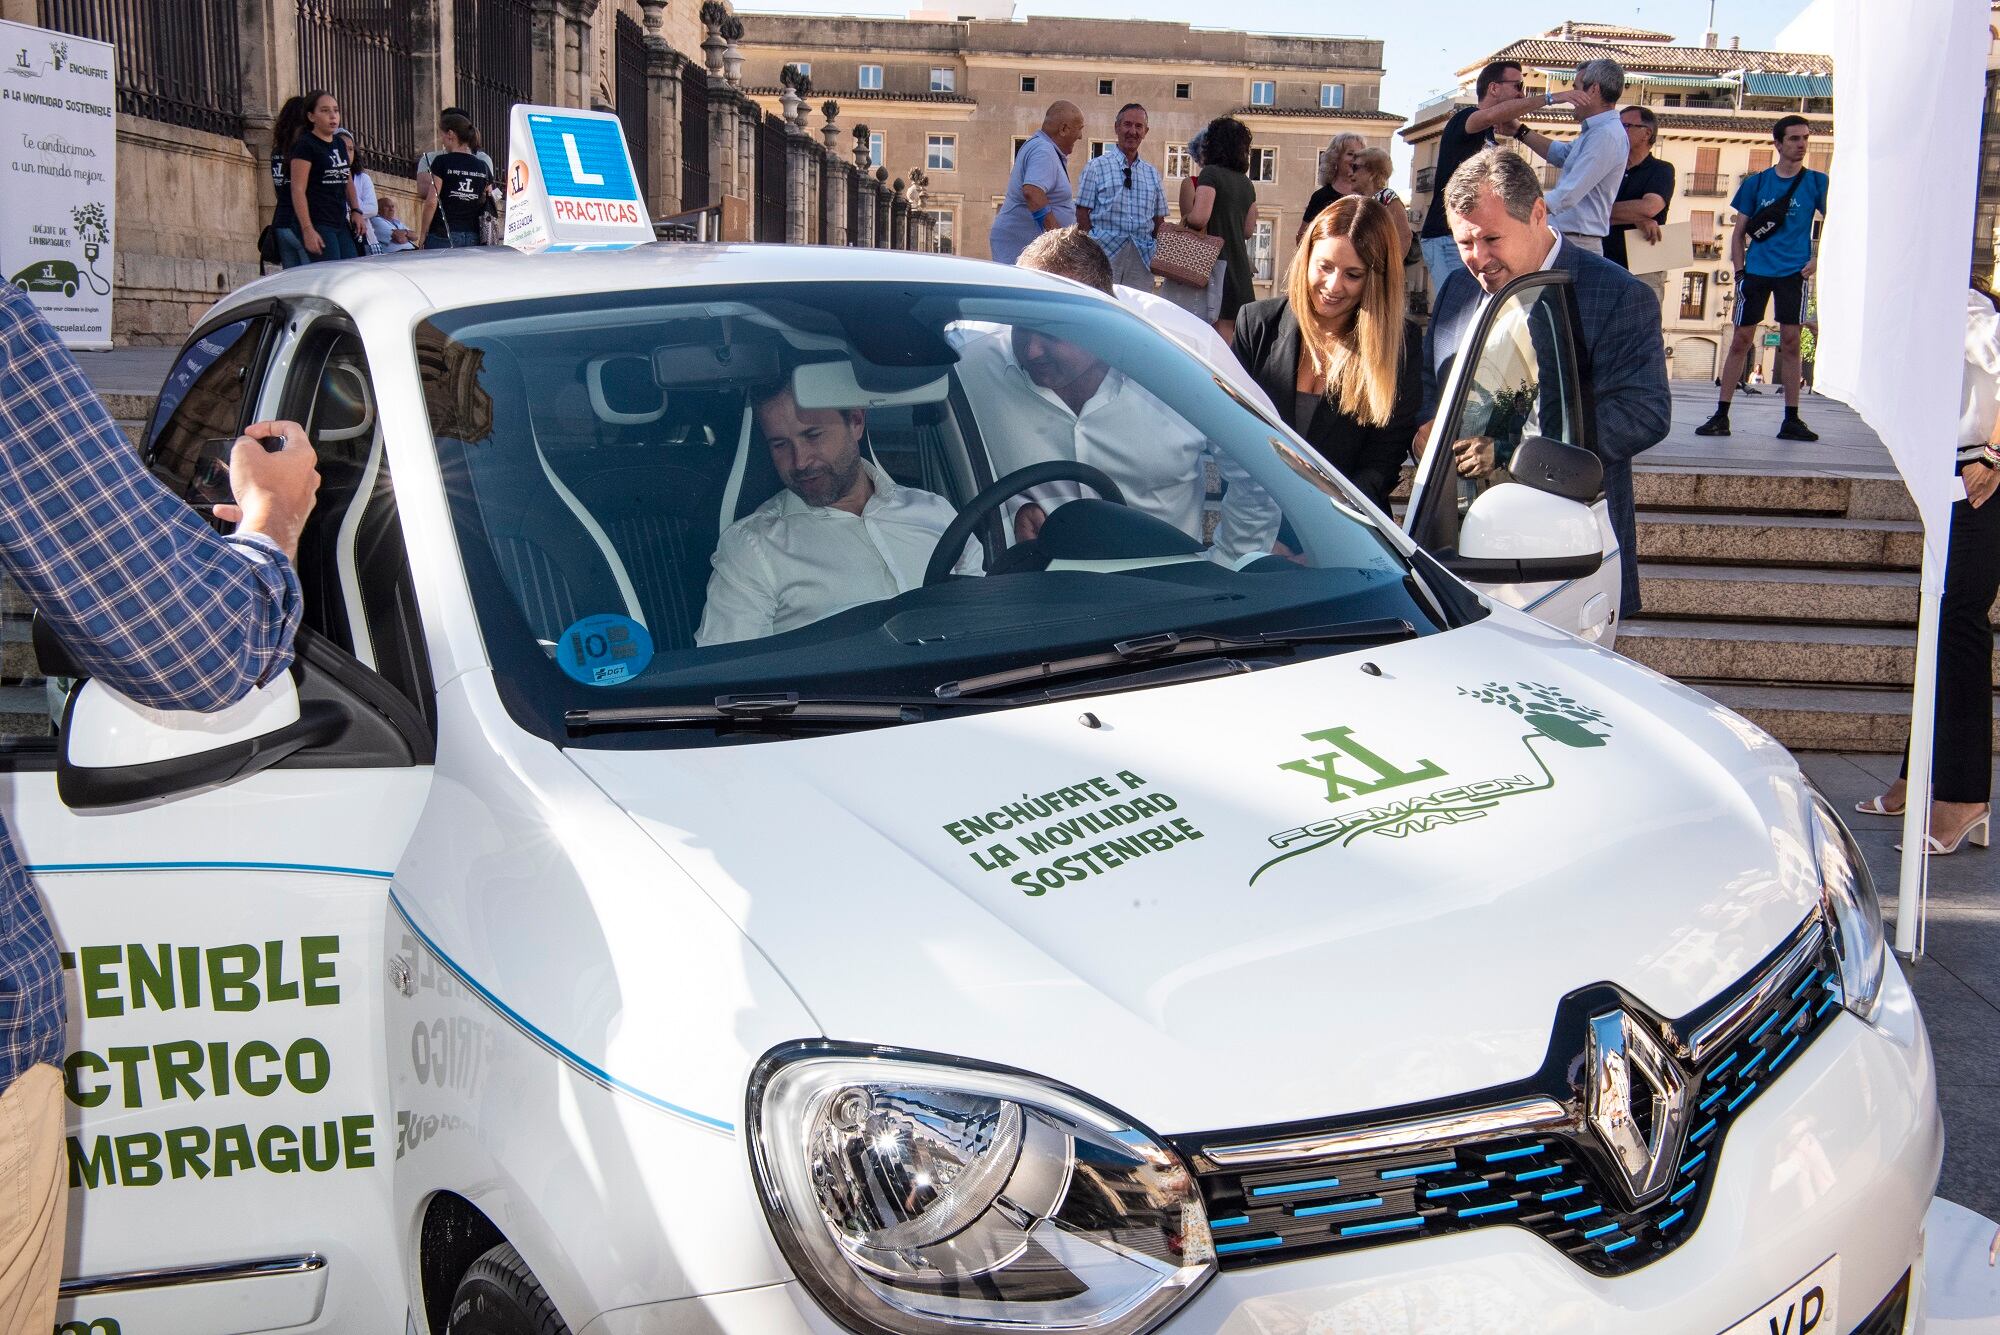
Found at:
<point>1555,1182</point>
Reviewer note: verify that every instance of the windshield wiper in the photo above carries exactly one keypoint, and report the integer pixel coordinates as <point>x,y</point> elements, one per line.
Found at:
<point>780,708</point>
<point>1180,644</point>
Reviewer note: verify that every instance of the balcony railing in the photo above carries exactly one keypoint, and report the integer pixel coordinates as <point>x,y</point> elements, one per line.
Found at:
<point>1706,183</point>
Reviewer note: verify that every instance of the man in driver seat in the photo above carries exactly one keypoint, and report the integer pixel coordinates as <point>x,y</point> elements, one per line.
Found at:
<point>841,533</point>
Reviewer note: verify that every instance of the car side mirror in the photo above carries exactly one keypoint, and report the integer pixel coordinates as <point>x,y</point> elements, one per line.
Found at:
<point>116,751</point>
<point>1558,469</point>
<point>1514,534</point>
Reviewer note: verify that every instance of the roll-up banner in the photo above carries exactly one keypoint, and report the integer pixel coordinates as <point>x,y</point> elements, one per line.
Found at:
<point>58,190</point>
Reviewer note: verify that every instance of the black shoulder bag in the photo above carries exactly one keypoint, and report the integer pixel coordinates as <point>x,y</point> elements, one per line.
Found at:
<point>1765,222</point>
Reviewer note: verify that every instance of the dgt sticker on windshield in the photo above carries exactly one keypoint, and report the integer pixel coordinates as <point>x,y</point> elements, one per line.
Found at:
<point>604,650</point>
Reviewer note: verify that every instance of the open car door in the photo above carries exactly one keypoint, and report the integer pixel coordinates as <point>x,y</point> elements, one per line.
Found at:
<point>1530,528</point>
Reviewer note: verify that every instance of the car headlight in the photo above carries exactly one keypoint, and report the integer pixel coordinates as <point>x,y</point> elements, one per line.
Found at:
<point>1853,912</point>
<point>917,1196</point>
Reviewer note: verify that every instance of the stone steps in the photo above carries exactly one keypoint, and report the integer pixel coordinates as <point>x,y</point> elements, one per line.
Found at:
<point>1763,493</point>
<point>1824,718</point>
<point>1823,541</point>
<point>1776,593</point>
<point>1830,655</point>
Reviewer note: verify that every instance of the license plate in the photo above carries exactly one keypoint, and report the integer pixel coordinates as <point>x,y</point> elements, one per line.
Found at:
<point>1809,1307</point>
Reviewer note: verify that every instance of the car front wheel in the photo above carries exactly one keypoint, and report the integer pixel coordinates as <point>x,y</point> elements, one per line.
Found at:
<point>501,1296</point>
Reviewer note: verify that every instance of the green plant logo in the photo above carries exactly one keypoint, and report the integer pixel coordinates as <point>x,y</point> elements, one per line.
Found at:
<point>1554,715</point>
<point>93,228</point>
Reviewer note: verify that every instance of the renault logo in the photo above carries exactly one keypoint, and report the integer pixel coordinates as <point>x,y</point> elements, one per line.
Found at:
<point>1635,1101</point>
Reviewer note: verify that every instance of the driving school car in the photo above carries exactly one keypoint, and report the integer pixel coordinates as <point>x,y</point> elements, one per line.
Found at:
<point>1120,936</point>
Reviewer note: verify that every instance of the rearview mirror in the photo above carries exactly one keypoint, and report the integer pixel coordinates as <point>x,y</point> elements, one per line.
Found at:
<point>1514,534</point>
<point>117,751</point>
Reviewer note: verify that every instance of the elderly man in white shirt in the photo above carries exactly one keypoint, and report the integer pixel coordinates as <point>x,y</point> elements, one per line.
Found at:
<point>1037,398</point>
<point>1593,164</point>
<point>840,534</point>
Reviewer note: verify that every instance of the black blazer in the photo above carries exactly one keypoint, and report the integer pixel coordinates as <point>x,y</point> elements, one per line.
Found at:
<point>1267,343</point>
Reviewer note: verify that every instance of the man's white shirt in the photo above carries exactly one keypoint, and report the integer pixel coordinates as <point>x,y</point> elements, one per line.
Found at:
<point>1157,458</point>
<point>789,564</point>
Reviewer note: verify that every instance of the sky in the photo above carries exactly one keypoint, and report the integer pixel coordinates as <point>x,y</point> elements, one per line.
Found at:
<point>1424,41</point>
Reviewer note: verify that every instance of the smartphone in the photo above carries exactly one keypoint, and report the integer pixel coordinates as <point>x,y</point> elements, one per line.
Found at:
<point>209,486</point>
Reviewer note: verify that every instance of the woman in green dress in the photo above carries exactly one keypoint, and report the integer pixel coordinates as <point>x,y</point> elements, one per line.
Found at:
<point>1225,205</point>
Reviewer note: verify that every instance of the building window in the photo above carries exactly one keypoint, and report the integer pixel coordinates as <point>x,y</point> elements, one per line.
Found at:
<point>1178,161</point>
<point>1333,96</point>
<point>1694,295</point>
<point>803,66</point>
<point>944,81</point>
<point>1104,87</point>
<point>1183,91</point>
<point>1760,158</point>
<point>1027,83</point>
<point>1019,144</point>
<point>1263,164</point>
<point>871,77</point>
<point>1098,147</point>
<point>947,230</point>
<point>1319,167</point>
<point>941,153</point>
<point>1264,249</point>
<point>1263,93</point>
<point>1819,159</point>
<point>878,149</point>
<point>1701,229</point>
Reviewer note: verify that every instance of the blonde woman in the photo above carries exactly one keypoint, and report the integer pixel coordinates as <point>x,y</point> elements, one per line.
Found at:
<point>1335,352</point>
<point>1368,174</point>
<point>1341,150</point>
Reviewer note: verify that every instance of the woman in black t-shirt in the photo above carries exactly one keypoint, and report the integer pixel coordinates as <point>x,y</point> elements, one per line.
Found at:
<point>284,220</point>
<point>320,186</point>
<point>457,188</point>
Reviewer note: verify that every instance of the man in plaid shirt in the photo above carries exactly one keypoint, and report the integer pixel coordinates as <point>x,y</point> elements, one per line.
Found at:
<point>149,601</point>
<point>1121,200</point>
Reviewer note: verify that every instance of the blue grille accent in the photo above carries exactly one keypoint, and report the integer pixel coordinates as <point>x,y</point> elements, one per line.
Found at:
<point>1562,1192</point>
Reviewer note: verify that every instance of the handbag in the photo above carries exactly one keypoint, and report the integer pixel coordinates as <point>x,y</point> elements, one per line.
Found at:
<point>267,245</point>
<point>1765,222</point>
<point>1184,255</point>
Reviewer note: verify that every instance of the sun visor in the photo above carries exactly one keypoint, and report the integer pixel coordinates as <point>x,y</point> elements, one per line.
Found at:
<point>834,385</point>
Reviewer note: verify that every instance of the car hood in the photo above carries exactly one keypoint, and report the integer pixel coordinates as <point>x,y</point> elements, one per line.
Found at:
<point>1350,884</point>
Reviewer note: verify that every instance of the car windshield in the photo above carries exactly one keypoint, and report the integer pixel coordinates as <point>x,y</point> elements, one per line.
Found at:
<point>869,491</point>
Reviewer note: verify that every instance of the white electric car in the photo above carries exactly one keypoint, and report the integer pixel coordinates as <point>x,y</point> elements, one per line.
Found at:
<point>1112,931</point>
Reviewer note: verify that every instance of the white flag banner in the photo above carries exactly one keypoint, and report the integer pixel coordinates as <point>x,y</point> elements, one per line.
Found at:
<point>1897,250</point>
<point>59,188</point>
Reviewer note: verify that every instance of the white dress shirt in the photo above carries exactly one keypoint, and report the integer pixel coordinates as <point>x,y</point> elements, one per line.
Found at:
<point>1593,166</point>
<point>1157,458</point>
<point>789,564</point>
<point>1979,402</point>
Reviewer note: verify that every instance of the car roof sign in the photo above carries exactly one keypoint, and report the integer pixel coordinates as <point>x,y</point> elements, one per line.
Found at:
<point>570,183</point>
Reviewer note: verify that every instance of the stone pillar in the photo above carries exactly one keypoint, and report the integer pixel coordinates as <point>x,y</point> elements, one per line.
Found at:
<point>663,116</point>
<point>899,226</point>
<point>833,201</point>
<point>885,213</point>
<point>800,201</point>
<point>565,60</point>
<point>864,210</point>
<point>268,65</point>
<point>722,141</point>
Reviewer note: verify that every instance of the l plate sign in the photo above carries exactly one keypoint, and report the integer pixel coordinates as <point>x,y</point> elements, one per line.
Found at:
<point>570,183</point>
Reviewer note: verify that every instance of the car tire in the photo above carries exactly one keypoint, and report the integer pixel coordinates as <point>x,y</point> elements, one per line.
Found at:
<point>69,289</point>
<point>499,1295</point>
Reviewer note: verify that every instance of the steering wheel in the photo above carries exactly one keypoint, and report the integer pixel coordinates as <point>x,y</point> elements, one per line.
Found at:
<point>951,544</point>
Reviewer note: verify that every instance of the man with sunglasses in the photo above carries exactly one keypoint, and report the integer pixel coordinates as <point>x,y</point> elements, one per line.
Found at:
<point>1470,129</point>
<point>1121,201</point>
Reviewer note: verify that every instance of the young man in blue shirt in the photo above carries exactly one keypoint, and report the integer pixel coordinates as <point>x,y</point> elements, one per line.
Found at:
<point>1774,270</point>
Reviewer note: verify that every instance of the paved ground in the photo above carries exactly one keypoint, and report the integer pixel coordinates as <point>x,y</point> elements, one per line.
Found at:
<point>127,370</point>
<point>1957,982</point>
<point>1846,446</point>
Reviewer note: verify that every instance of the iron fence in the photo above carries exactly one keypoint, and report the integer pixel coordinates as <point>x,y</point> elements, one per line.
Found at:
<point>771,168</point>
<point>361,52</point>
<point>694,135</point>
<point>630,61</point>
<point>177,64</point>
<point>493,42</point>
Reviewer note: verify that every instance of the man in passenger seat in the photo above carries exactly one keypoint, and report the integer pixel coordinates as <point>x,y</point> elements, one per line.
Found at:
<point>841,533</point>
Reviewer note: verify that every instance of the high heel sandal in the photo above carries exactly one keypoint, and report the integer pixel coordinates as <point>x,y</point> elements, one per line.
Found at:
<point>1873,807</point>
<point>1979,831</point>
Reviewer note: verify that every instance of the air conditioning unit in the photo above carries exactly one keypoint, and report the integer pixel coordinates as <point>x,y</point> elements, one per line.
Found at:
<point>1724,277</point>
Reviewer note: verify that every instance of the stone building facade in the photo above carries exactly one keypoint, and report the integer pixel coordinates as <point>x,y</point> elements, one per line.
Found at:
<point>1716,105</point>
<point>955,99</point>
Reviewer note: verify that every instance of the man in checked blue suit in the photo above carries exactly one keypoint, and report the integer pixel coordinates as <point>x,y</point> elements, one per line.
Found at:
<point>155,605</point>
<point>1500,224</point>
